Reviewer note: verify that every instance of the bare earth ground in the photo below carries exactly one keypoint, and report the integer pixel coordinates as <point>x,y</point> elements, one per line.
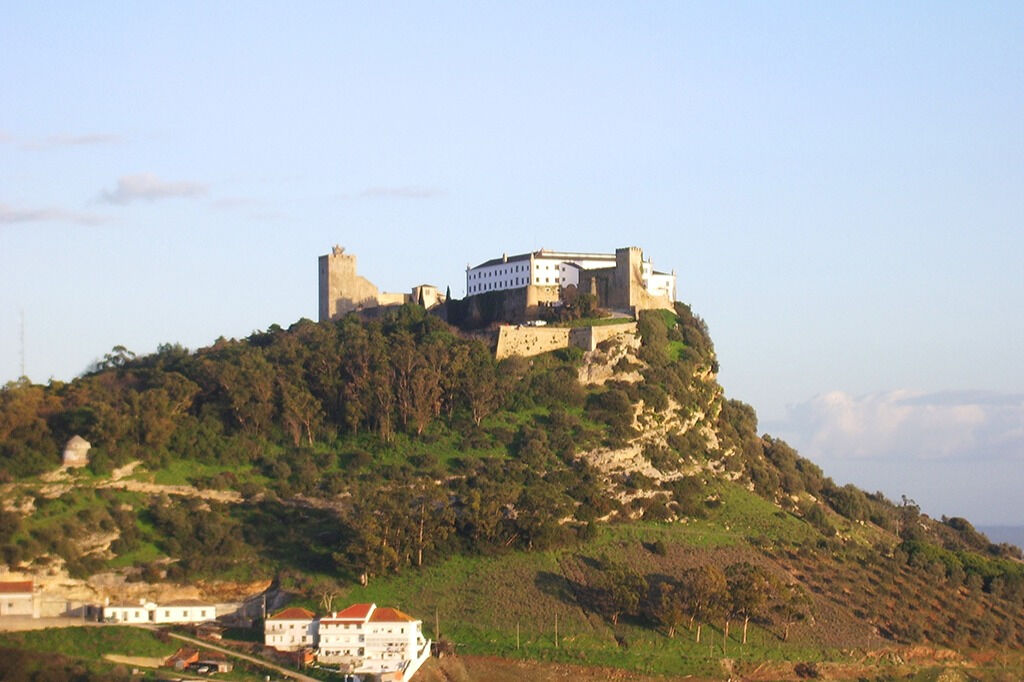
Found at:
<point>494,669</point>
<point>17,623</point>
<point>136,661</point>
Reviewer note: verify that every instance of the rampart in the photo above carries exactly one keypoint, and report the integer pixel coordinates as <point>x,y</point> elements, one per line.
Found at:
<point>527,341</point>
<point>342,290</point>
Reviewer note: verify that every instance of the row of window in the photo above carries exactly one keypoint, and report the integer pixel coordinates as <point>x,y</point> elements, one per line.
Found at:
<point>492,286</point>
<point>504,271</point>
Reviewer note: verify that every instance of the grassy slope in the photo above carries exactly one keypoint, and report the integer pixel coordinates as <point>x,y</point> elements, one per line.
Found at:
<point>480,600</point>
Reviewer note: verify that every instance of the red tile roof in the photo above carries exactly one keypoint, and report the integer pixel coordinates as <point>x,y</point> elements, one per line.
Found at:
<point>293,613</point>
<point>354,612</point>
<point>184,654</point>
<point>15,587</point>
<point>390,615</point>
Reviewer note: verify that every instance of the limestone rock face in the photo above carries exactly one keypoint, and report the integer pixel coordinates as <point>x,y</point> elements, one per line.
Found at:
<point>76,452</point>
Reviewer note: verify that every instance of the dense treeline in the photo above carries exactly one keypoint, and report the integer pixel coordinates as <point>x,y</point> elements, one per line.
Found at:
<point>366,447</point>
<point>307,385</point>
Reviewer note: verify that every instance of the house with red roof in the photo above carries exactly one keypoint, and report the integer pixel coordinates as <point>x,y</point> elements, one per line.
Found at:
<point>361,639</point>
<point>291,630</point>
<point>18,598</point>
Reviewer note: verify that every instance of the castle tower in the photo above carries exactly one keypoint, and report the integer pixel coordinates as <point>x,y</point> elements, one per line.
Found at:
<point>629,279</point>
<point>341,289</point>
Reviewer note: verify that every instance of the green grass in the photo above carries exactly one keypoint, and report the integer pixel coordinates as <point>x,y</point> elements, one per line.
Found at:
<point>594,322</point>
<point>480,600</point>
<point>182,472</point>
<point>90,643</point>
<point>753,516</point>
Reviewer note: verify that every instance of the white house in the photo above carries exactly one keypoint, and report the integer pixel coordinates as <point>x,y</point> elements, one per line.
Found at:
<point>557,269</point>
<point>359,639</point>
<point>17,598</point>
<point>394,641</point>
<point>184,611</point>
<point>291,629</point>
<point>365,638</point>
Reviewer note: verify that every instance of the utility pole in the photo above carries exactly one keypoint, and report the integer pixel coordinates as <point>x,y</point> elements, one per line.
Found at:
<point>437,626</point>
<point>517,635</point>
<point>556,630</point>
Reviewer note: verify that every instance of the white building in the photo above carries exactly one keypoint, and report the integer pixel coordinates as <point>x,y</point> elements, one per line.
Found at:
<point>359,639</point>
<point>291,630</point>
<point>184,611</point>
<point>555,269</point>
<point>17,598</point>
<point>76,452</point>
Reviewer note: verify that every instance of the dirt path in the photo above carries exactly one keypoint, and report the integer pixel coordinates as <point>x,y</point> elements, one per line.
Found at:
<point>135,661</point>
<point>245,657</point>
<point>21,623</point>
<point>179,490</point>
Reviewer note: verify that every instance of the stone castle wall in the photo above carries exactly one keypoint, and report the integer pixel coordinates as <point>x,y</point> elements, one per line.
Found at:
<point>341,289</point>
<point>527,341</point>
<point>622,287</point>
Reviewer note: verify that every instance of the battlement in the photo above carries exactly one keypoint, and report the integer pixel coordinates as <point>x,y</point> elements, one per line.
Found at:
<point>342,290</point>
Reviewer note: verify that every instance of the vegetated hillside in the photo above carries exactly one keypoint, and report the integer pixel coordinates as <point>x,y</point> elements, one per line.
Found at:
<point>627,492</point>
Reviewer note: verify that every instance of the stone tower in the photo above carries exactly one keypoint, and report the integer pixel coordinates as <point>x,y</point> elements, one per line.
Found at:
<point>341,289</point>
<point>629,277</point>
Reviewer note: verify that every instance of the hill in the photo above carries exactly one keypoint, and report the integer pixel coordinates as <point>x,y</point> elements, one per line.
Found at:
<point>395,459</point>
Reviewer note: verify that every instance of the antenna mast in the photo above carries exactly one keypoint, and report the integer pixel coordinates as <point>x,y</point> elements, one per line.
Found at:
<point>22,342</point>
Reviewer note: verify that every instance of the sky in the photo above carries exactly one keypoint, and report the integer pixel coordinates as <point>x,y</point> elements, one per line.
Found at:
<point>838,186</point>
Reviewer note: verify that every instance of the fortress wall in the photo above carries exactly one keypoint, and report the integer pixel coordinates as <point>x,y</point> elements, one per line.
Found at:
<point>526,341</point>
<point>341,289</point>
<point>587,338</point>
<point>388,298</point>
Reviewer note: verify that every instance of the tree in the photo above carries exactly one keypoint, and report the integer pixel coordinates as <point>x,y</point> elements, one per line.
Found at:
<point>668,605</point>
<point>119,356</point>
<point>623,588</point>
<point>704,588</point>
<point>435,518</point>
<point>479,383</point>
<point>300,411</point>
<point>793,606</point>
<point>749,589</point>
<point>906,518</point>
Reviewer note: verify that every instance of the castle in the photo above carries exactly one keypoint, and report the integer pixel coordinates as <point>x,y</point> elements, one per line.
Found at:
<point>511,288</point>
<point>342,290</point>
<point>621,281</point>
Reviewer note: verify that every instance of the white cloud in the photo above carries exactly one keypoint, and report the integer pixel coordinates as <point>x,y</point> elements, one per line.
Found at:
<point>954,425</point>
<point>71,141</point>
<point>406,192</point>
<point>150,188</point>
<point>10,215</point>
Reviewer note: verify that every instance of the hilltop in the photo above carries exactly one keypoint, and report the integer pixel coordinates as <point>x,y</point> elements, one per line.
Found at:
<point>618,491</point>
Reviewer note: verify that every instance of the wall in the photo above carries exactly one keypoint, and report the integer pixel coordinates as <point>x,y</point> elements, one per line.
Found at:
<point>341,289</point>
<point>622,287</point>
<point>587,338</point>
<point>18,605</point>
<point>527,341</point>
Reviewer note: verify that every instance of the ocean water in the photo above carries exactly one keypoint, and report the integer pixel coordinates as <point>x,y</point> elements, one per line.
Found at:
<point>1012,534</point>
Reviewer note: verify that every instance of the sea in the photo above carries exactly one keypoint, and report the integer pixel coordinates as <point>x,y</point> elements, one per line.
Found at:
<point>1012,534</point>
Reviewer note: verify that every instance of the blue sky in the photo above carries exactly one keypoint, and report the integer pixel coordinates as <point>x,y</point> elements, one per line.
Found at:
<point>838,187</point>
